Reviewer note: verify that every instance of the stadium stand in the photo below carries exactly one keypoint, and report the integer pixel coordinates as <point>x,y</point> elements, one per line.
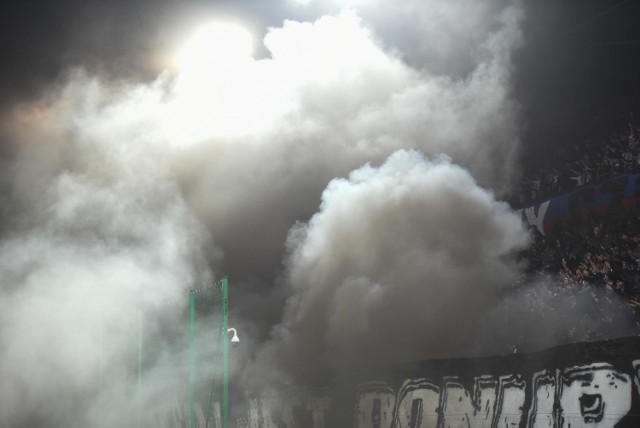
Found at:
<point>592,260</point>
<point>594,159</point>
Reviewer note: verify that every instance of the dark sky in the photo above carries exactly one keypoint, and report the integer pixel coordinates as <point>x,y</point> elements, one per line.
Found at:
<point>582,59</point>
<point>121,39</point>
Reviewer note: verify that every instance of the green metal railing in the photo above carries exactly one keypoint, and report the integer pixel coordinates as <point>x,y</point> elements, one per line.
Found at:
<point>207,333</point>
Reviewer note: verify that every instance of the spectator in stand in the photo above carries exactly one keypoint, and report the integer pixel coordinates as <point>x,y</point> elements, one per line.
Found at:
<point>582,164</point>
<point>578,176</point>
<point>627,158</point>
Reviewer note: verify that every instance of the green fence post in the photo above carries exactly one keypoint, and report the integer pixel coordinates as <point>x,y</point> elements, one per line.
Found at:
<point>192,359</point>
<point>139,397</point>
<point>225,341</point>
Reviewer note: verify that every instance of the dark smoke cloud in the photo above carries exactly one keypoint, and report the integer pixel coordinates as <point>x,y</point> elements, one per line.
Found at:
<point>98,235</point>
<point>399,263</point>
<point>119,195</point>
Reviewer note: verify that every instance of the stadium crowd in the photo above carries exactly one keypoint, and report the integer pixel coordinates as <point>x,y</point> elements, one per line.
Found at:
<point>596,158</point>
<point>592,260</point>
<point>591,263</point>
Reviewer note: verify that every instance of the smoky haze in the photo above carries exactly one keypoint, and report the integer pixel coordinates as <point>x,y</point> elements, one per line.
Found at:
<point>97,236</point>
<point>314,177</point>
<point>400,263</point>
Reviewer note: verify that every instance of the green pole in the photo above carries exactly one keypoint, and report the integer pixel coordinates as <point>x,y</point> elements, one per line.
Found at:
<point>225,341</point>
<point>139,400</point>
<point>192,359</point>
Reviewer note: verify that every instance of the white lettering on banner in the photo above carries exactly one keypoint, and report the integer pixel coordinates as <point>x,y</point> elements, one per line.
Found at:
<point>298,409</point>
<point>374,405</point>
<point>418,404</point>
<point>459,410</point>
<point>510,403</point>
<point>595,396</point>
<point>254,413</point>
<point>318,407</point>
<point>215,415</point>
<point>636,369</point>
<point>484,400</point>
<point>534,216</point>
<point>288,408</point>
<point>261,411</point>
<point>541,414</point>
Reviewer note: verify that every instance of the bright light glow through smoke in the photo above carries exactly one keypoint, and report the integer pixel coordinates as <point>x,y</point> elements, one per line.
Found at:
<point>214,83</point>
<point>215,45</point>
<point>121,195</point>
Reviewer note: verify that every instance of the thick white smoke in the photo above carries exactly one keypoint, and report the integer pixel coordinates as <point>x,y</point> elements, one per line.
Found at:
<point>334,98</point>
<point>400,263</point>
<point>120,197</point>
<point>100,235</point>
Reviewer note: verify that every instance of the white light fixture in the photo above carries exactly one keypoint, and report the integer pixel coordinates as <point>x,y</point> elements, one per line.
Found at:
<point>234,338</point>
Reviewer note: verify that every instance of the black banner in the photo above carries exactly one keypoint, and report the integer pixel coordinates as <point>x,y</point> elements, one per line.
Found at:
<point>593,385</point>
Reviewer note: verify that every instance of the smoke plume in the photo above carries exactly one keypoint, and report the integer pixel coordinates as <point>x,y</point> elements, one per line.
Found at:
<point>399,263</point>
<point>118,197</point>
<point>98,235</point>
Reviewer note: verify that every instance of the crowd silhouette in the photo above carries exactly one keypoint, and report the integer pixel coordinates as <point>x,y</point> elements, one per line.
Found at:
<point>589,263</point>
